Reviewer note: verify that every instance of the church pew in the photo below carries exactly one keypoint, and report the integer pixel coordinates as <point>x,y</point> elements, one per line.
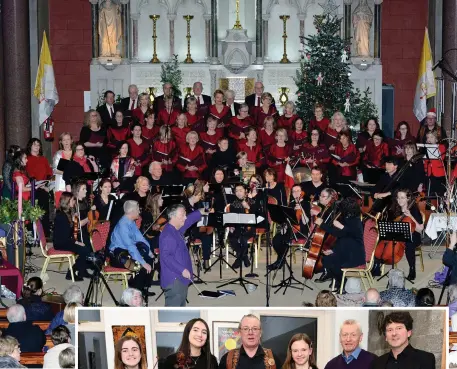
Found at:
<point>3,314</point>
<point>49,341</point>
<point>452,338</point>
<point>42,324</point>
<point>30,358</point>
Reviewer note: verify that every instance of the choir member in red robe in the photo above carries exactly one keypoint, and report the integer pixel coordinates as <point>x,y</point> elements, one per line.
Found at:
<point>298,136</point>
<point>402,135</point>
<point>219,109</point>
<point>145,105</point>
<point>434,169</point>
<point>20,175</point>
<point>267,109</point>
<point>117,133</point>
<point>139,148</point>
<point>319,121</point>
<point>191,162</point>
<point>267,135</point>
<point>315,152</point>
<point>180,130</point>
<point>279,154</point>
<point>150,130</point>
<point>168,115</point>
<point>287,119</point>
<point>195,121</point>
<point>349,158</point>
<point>366,133</point>
<point>209,139</point>
<point>337,125</point>
<point>251,147</point>
<point>373,159</point>
<point>240,123</point>
<point>164,149</point>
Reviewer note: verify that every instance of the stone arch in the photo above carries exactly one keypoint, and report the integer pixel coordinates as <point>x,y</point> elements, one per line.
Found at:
<point>166,5</point>
<point>202,3</point>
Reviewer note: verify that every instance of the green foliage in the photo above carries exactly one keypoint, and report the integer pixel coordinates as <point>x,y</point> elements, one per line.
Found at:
<point>172,74</point>
<point>8,211</point>
<point>323,54</point>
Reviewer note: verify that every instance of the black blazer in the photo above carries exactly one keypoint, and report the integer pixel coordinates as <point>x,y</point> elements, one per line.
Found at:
<point>30,337</point>
<point>206,101</point>
<point>250,100</point>
<point>415,359</point>
<point>237,107</point>
<point>125,104</point>
<point>104,114</point>
<point>159,104</point>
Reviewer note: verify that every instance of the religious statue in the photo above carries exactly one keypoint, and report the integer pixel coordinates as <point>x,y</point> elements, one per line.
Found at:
<point>362,19</point>
<point>109,28</point>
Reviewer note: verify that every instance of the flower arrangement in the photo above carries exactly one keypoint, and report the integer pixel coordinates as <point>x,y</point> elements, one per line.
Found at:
<point>172,74</point>
<point>8,211</point>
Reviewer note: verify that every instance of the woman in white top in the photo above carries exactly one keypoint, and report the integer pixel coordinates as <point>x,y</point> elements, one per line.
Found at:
<point>65,152</point>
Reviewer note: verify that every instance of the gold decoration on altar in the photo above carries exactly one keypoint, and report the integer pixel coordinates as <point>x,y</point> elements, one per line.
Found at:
<point>154,18</point>
<point>283,97</point>
<point>187,92</point>
<point>188,18</point>
<point>284,18</point>
<point>237,23</point>
<point>151,91</point>
<point>242,86</point>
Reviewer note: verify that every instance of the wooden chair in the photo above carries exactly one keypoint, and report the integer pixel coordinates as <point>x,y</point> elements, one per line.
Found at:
<point>52,255</point>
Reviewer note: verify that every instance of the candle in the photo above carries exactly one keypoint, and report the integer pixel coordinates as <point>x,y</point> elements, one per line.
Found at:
<point>13,191</point>
<point>19,201</point>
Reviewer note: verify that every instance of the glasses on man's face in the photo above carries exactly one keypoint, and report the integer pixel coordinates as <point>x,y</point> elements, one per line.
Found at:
<point>250,329</point>
<point>79,149</point>
<point>349,335</point>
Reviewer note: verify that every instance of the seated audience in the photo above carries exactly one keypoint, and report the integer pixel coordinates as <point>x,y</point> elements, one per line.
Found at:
<point>397,294</point>
<point>425,297</point>
<point>10,353</point>
<point>372,298</point>
<point>67,358</point>
<point>61,340</point>
<point>35,309</point>
<point>132,297</point>
<point>71,294</point>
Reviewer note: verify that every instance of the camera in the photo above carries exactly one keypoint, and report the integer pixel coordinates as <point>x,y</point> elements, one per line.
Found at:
<point>97,258</point>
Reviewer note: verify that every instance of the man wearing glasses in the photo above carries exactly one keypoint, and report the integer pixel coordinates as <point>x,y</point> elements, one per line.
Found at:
<point>353,356</point>
<point>251,355</point>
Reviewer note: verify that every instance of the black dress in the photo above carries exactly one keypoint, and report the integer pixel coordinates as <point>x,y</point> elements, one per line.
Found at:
<point>103,207</point>
<point>279,193</point>
<point>199,362</point>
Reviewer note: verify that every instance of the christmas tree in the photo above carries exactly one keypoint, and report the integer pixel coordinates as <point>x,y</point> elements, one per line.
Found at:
<point>324,74</point>
<point>172,74</point>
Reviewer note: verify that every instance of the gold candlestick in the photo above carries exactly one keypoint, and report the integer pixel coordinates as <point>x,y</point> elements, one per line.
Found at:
<point>154,18</point>
<point>284,18</point>
<point>188,18</point>
<point>237,9</point>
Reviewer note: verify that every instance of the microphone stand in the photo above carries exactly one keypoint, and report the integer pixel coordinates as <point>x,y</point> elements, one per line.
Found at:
<point>268,240</point>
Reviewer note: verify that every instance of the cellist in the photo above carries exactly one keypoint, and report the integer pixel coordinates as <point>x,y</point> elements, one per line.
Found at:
<point>404,208</point>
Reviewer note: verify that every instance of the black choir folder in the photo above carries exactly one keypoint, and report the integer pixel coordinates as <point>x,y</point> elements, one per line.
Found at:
<point>216,294</point>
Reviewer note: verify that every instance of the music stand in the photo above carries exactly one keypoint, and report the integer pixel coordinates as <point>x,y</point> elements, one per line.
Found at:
<point>395,232</point>
<point>239,219</point>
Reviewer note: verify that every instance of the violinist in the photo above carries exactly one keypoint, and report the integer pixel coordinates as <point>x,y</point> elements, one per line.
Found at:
<point>348,250</point>
<point>414,174</point>
<point>123,168</point>
<point>281,239</point>
<point>314,187</point>
<point>386,185</point>
<point>63,236</point>
<point>405,209</point>
<point>104,198</point>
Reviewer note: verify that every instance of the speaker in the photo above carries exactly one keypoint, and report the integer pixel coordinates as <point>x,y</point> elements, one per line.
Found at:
<point>388,110</point>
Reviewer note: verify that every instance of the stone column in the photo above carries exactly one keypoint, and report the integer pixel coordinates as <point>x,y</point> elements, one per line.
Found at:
<point>347,19</point>
<point>301,18</point>
<point>16,69</point>
<point>125,9</point>
<point>171,21</point>
<point>95,39</point>
<point>2,106</point>
<point>135,18</point>
<point>214,45</point>
<point>258,33</point>
<point>377,31</point>
<point>449,42</point>
<point>265,19</point>
<point>207,18</point>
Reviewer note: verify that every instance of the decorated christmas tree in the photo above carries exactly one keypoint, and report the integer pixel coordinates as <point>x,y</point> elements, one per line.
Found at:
<point>324,76</point>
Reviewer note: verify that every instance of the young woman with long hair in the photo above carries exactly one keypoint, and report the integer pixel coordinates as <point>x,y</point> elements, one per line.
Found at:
<point>65,152</point>
<point>104,198</point>
<point>151,214</point>
<point>20,175</point>
<point>128,354</point>
<point>123,168</point>
<point>300,353</point>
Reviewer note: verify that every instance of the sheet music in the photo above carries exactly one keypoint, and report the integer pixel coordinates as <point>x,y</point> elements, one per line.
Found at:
<point>236,218</point>
<point>228,190</point>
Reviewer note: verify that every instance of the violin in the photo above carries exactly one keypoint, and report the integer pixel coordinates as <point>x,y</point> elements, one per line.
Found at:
<point>299,210</point>
<point>93,216</point>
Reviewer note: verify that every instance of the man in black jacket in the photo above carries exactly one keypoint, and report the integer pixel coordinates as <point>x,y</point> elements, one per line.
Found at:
<point>30,337</point>
<point>159,102</point>
<point>108,110</point>
<point>129,103</point>
<point>397,328</point>
<point>256,98</point>
<point>203,101</point>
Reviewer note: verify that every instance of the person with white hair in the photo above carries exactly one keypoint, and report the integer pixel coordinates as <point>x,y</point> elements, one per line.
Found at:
<point>255,100</point>
<point>230,102</point>
<point>30,337</point>
<point>130,103</point>
<point>203,101</point>
<point>397,294</point>
<point>131,297</point>
<point>67,358</point>
<point>128,247</point>
<point>71,294</point>
<point>10,353</point>
<point>372,298</point>
<point>353,355</point>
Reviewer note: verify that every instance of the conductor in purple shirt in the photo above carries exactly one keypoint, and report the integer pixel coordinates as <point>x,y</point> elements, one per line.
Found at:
<point>175,262</point>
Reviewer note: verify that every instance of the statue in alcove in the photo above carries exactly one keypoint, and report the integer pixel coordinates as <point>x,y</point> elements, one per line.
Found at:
<point>109,28</point>
<point>362,19</point>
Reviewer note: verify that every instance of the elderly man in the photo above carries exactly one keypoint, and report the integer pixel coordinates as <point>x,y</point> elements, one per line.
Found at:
<point>353,356</point>
<point>131,102</point>
<point>251,355</point>
<point>108,110</point>
<point>71,294</point>
<point>132,297</point>
<point>30,337</point>
<point>175,262</point>
<point>398,328</point>
<point>128,248</point>
<point>156,175</point>
<point>159,101</point>
<point>372,298</point>
<point>61,339</point>
<point>397,294</point>
<point>255,99</point>
<point>230,102</point>
<point>203,101</point>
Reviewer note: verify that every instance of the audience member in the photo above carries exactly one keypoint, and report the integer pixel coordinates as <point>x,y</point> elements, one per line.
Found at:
<point>71,294</point>
<point>132,297</point>
<point>67,358</point>
<point>35,308</point>
<point>10,353</point>
<point>325,298</point>
<point>61,340</point>
<point>397,294</point>
<point>372,298</point>
<point>425,297</point>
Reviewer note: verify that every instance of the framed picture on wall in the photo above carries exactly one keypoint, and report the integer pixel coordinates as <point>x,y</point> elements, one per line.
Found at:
<point>137,331</point>
<point>226,337</point>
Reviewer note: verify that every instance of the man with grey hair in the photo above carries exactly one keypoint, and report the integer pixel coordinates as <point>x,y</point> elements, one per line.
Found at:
<point>156,175</point>
<point>230,102</point>
<point>203,101</point>
<point>397,294</point>
<point>255,100</point>
<point>159,101</point>
<point>131,297</point>
<point>251,354</point>
<point>131,102</point>
<point>30,337</point>
<point>128,248</point>
<point>353,355</point>
<point>372,298</point>
<point>71,294</point>
<point>175,262</point>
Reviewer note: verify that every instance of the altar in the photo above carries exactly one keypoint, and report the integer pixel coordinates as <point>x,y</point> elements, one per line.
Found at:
<point>224,44</point>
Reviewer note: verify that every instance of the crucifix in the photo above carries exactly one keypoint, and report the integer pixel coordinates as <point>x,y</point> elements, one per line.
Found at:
<point>237,11</point>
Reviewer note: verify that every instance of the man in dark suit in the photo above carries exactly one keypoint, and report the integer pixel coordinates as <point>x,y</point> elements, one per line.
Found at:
<point>159,102</point>
<point>397,327</point>
<point>230,102</point>
<point>256,98</point>
<point>203,101</point>
<point>30,337</point>
<point>129,103</point>
<point>108,110</point>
